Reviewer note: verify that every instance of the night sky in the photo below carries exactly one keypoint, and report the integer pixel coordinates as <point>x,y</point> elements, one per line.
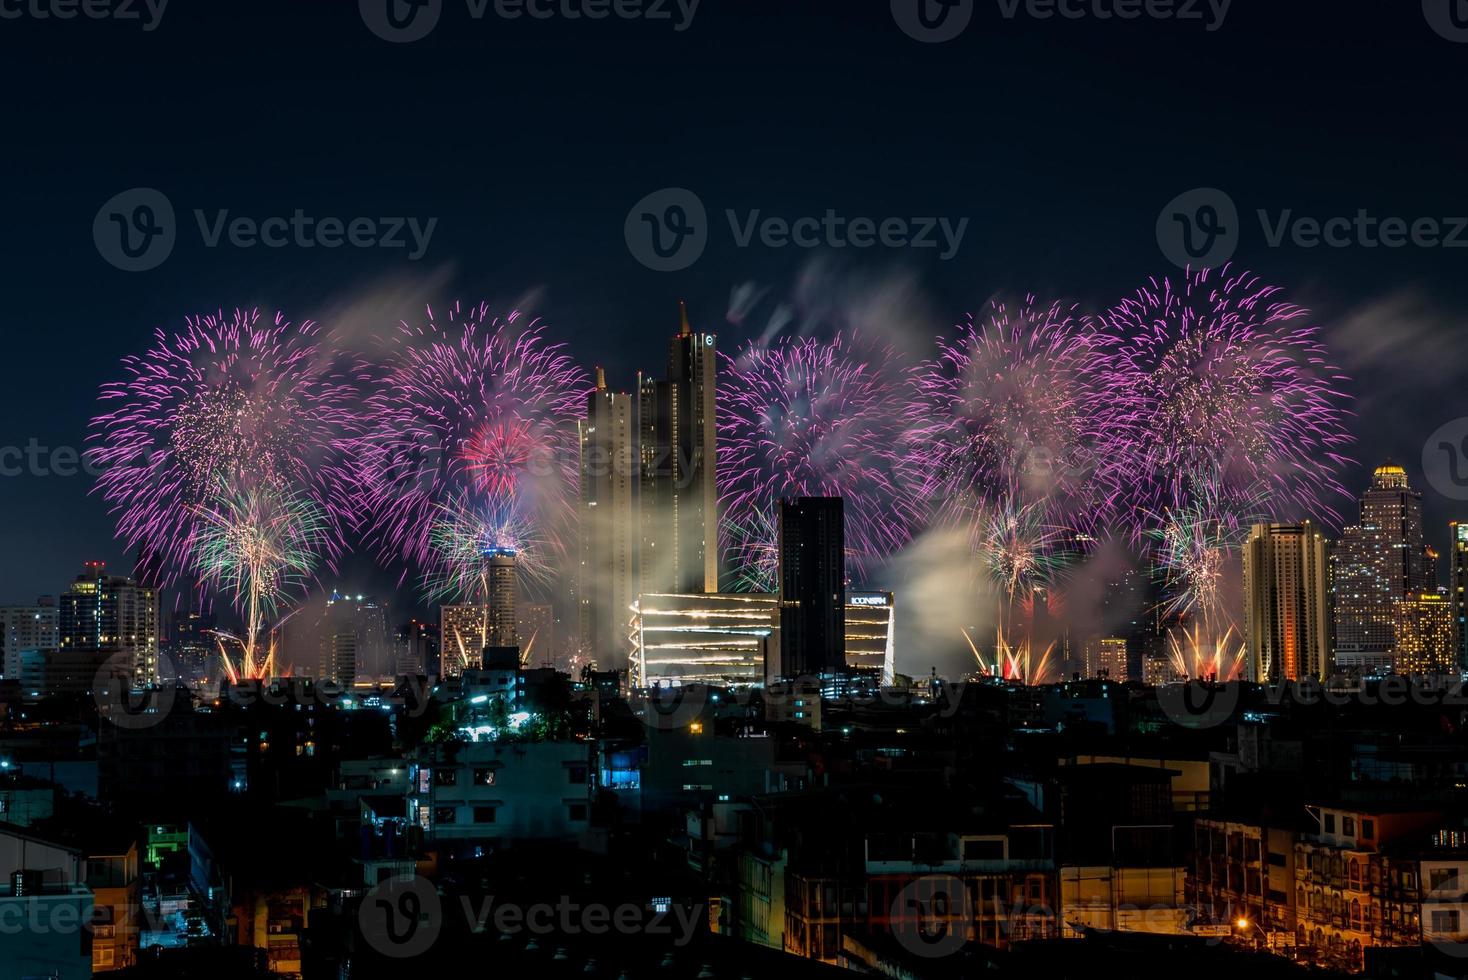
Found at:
<point>530,140</point>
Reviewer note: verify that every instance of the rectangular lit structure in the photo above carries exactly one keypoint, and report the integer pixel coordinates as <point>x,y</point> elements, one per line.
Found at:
<point>717,637</point>
<point>870,640</point>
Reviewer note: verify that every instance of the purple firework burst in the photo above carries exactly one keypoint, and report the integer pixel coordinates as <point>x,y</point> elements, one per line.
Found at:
<point>808,417</point>
<point>477,412</point>
<point>1223,389</point>
<point>1005,413</point>
<point>230,399</point>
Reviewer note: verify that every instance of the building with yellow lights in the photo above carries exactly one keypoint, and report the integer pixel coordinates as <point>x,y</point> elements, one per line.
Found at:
<point>719,637</point>
<point>1424,634</point>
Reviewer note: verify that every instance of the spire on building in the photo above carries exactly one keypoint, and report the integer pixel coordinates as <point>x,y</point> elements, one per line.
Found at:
<point>601,379</point>
<point>684,329</point>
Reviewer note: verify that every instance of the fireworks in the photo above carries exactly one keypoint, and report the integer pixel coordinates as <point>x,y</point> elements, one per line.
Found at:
<point>1005,412</point>
<point>807,417</point>
<point>474,419</point>
<point>1017,663</point>
<point>1200,655</point>
<point>1197,547</point>
<point>1222,381</point>
<point>228,397</point>
<point>465,538</point>
<point>1017,551</point>
<point>257,544</point>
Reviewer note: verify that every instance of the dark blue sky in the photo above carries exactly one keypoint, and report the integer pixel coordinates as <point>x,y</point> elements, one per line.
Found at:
<point>530,140</point>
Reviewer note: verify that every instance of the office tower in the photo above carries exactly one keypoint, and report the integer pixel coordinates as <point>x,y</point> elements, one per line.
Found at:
<point>812,579</point>
<point>1458,588</point>
<point>1109,658</point>
<point>417,649</point>
<point>871,638</point>
<point>192,645</point>
<point>504,589</point>
<point>364,620</point>
<point>1380,559</point>
<point>26,629</point>
<point>1286,617</point>
<point>678,493</point>
<point>467,628</point>
<point>535,630</point>
<point>607,583</point>
<point>1423,635</point>
<point>103,615</point>
<point>715,638</point>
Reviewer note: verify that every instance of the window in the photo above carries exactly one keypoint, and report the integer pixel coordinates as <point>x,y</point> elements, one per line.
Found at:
<point>1440,879</point>
<point>1277,860</point>
<point>445,814</point>
<point>484,814</point>
<point>446,777</point>
<point>1330,823</point>
<point>1445,921</point>
<point>576,775</point>
<point>1368,829</point>
<point>1348,826</point>
<point>484,777</point>
<point>576,811</point>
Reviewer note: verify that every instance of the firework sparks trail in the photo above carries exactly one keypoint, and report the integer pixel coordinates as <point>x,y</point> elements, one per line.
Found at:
<point>1220,380</point>
<point>809,417</point>
<point>227,397</point>
<point>1200,654</point>
<point>474,415</point>
<point>464,538</point>
<point>1015,662</point>
<point>1005,411</point>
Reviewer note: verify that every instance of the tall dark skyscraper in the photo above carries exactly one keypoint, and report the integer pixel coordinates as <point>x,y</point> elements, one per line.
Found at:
<point>812,586</point>
<point>607,583</point>
<point>679,510</point>
<point>1458,587</point>
<point>1381,559</point>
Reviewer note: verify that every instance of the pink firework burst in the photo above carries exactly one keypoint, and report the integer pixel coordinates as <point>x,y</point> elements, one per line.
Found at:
<point>809,417</point>
<point>472,411</point>
<point>1222,388</point>
<point>227,399</point>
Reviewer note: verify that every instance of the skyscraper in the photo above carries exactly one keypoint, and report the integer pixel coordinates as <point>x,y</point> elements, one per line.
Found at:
<point>354,640</point>
<point>535,630</point>
<point>607,584</point>
<point>678,498</point>
<point>1458,588</point>
<point>1381,559</point>
<point>467,628</point>
<point>1424,635</point>
<point>1286,618</point>
<point>103,615</point>
<point>812,580</point>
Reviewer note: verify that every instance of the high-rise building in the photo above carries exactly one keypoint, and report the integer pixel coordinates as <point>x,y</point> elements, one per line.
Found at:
<point>465,629</point>
<point>1458,588</point>
<point>1109,658</point>
<point>192,645</point>
<point>871,640</point>
<point>354,639</point>
<point>504,592</point>
<point>535,630</point>
<point>26,628</point>
<point>607,584</point>
<point>417,649</point>
<point>812,578</point>
<point>1424,635</point>
<point>717,638</point>
<point>678,492</point>
<point>1286,612</point>
<point>101,616</point>
<point>1380,559</point>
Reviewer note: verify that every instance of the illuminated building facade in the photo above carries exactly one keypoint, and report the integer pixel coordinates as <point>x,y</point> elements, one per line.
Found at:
<point>712,637</point>
<point>870,634</point>
<point>354,639</point>
<point>535,630</point>
<point>26,628</point>
<point>1381,559</point>
<point>1108,658</point>
<point>1286,619</point>
<point>607,583</point>
<point>103,615</point>
<point>1424,635</point>
<point>678,503</point>
<point>1458,589</point>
